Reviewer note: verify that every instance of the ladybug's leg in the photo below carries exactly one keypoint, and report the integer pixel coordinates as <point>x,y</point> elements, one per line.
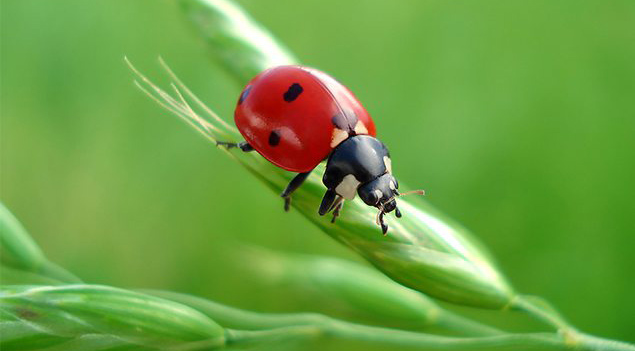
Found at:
<point>384,227</point>
<point>293,185</point>
<point>339,203</point>
<point>327,202</point>
<point>243,145</point>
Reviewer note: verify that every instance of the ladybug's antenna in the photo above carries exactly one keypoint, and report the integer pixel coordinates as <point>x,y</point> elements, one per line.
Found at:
<point>418,192</point>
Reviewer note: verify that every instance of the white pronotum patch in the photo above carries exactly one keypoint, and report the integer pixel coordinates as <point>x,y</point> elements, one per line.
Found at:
<point>388,164</point>
<point>360,128</point>
<point>348,187</point>
<point>338,136</point>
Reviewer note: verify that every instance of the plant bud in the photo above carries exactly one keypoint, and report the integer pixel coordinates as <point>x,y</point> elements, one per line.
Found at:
<point>423,250</point>
<point>340,281</point>
<point>75,310</point>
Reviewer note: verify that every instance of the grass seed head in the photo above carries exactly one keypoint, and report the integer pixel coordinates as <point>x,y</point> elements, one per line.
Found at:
<point>138,319</point>
<point>424,250</point>
<point>343,282</point>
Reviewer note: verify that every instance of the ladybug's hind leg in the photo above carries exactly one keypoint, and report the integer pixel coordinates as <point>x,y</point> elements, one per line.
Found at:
<point>293,185</point>
<point>243,145</point>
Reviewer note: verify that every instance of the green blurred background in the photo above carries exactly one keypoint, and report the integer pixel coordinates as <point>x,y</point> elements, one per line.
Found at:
<point>517,117</point>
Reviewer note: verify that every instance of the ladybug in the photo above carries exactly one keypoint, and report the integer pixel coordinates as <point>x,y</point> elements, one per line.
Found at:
<point>296,117</point>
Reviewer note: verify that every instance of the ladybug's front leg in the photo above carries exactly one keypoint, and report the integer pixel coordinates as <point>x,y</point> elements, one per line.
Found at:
<point>293,185</point>
<point>243,145</point>
<point>339,203</point>
<point>327,202</point>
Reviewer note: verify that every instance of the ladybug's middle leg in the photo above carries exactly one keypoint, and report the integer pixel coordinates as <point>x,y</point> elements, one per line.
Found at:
<point>243,145</point>
<point>293,185</point>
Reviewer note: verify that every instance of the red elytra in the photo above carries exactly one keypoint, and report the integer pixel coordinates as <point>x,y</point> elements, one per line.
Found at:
<point>294,116</point>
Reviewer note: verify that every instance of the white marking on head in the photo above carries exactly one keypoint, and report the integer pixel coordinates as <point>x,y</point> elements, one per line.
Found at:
<point>392,185</point>
<point>360,128</point>
<point>347,188</point>
<point>378,193</point>
<point>388,164</point>
<point>338,136</point>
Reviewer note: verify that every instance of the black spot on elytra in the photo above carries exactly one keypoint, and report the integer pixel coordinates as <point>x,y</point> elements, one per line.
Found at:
<point>293,92</point>
<point>244,94</point>
<point>274,138</point>
<point>345,121</point>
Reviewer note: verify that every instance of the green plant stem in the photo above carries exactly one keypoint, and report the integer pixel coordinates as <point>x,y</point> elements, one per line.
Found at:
<point>391,337</point>
<point>311,325</point>
<point>451,321</point>
<point>541,310</point>
<point>542,314</point>
<point>238,318</point>
<point>405,338</point>
<point>590,342</point>
<point>234,337</point>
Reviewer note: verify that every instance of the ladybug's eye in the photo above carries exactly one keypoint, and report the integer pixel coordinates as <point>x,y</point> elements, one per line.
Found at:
<point>373,197</point>
<point>369,194</point>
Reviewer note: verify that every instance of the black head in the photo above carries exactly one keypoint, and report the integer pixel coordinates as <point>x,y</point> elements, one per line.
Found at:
<point>380,193</point>
<point>362,164</point>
